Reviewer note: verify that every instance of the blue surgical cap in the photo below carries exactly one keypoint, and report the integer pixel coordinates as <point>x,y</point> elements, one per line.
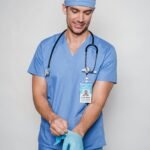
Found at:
<point>87,3</point>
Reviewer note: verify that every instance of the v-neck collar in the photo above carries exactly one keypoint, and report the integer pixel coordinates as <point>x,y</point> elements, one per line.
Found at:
<point>78,49</point>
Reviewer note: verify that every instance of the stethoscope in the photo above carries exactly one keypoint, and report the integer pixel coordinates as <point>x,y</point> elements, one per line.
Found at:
<point>87,70</point>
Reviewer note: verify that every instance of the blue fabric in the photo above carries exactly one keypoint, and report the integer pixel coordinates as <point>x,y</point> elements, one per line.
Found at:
<point>64,84</point>
<point>41,147</point>
<point>87,3</point>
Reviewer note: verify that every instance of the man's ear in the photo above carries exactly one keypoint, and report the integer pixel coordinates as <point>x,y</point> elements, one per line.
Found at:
<point>64,8</point>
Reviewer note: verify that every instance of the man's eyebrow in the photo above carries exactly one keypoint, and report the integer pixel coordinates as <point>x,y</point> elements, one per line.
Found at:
<point>90,9</point>
<point>73,7</point>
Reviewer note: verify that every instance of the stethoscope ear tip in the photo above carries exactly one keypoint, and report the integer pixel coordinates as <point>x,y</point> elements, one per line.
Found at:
<point>95,72</point>
<point>47,71</point>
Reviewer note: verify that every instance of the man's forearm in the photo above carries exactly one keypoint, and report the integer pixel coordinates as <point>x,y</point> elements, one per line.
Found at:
<point>89,117</point>
<point>43,107</point>
<point>58,125</point>
<point>101,91</point>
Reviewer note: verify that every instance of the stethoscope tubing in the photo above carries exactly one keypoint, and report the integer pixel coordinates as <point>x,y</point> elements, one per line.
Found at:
<point>86,51</point>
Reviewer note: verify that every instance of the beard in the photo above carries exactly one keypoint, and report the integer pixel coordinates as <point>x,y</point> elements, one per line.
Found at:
<point>77,33</point>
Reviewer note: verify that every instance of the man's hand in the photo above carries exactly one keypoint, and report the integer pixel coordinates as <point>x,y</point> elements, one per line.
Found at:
<point>73,141</point>
<point>78,131</point>
<point>58,126</point>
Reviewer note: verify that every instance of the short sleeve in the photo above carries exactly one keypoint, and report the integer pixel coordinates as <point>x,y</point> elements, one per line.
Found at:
<point>37,65</point>
<point>108,69</point>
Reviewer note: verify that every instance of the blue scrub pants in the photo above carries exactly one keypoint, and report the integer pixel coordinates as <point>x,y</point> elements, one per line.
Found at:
<point>41,147</point>
<point>54,149</point>
<point>44,148</point>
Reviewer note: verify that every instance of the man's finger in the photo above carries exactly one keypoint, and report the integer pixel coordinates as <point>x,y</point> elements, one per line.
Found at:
<point>61,124</point>
<point>65,124</point>
<point>54,132</point>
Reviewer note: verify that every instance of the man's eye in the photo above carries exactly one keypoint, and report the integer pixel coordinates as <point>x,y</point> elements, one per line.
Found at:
<point>88,13</point>
<point>74,11</point>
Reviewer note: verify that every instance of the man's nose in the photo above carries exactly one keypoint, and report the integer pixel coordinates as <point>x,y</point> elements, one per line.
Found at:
<point>81,17</point>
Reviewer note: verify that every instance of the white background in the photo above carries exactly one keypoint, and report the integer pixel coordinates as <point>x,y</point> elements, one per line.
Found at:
<point>124,23</point>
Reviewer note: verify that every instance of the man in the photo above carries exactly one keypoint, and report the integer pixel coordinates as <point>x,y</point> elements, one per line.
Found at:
<point>62,69</point>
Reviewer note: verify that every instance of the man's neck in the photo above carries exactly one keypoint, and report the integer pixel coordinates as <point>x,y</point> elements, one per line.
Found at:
<point>75,38</point>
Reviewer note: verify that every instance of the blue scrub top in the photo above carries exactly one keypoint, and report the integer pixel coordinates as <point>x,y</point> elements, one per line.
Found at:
<point>64,80</point>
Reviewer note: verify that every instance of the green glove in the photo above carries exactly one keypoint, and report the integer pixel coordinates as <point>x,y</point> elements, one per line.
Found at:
<point>72,141</point>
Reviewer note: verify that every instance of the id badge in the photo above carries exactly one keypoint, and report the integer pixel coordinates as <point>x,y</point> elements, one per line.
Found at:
<point>85,92</point>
